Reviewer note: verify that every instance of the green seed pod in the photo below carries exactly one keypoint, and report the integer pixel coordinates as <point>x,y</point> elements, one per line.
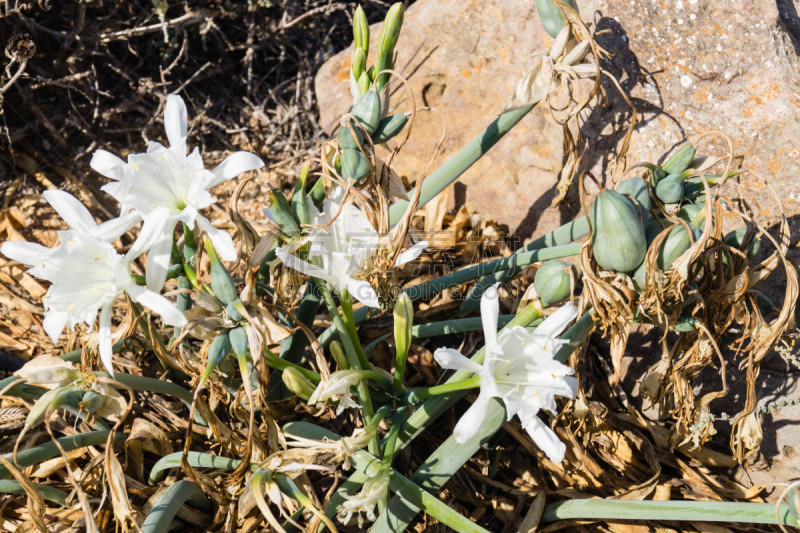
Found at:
<point>680,160</point>
<point>676,243</point>
<point>238,338</point>
<point>368,110</point>
<point>346,139</point>
<point>689,212</point>
<point>358,64</point>
<point>361,31</point>
<point>91,401</point>
<point>618,239</point>
<point>282,213</point>
<point>337,352</point>
<point>552,19</point>
<point>552,281</point>
<point>637,189</point>
<point>653,228</point>
<point>735,239</point>
<point>638,277</point>
<point>221,281</point>
<point>297,383</point>
<point>232,311</point>
<point>218,350</point>
<point>670,189</point>
<point>388,127</point>
<point>300,210</point>
<point>50,400</point>
<point>354,165</point>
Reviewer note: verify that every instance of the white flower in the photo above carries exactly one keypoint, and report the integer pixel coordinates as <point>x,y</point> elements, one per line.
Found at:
<point>341,250</point>
<point>374,490</point>
<point>518,368</point>
<point>337,388</point>
<point>86,273</point>
<point>168,178</point>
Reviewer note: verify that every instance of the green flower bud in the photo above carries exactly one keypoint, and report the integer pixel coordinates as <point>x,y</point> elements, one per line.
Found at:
<point>551,17</point>
<point>368,110</point>
<point>337,352</point>
<point>297,383</point>
<point>221,281</point>
<point>676,243</point>
<point>300,211</point>
<point>388,39</point>
<point>363,83</point>
<point>361,31</point>
<point>637,189</point>
<point>389,127</point>
<point>218,350</point>
<point>618,238</point>
<point>354,165</point>
<point>359,64</point>
<point>552,281</point>
<point>282,213</point>
<point>403,322</point>
<point>680,160</point>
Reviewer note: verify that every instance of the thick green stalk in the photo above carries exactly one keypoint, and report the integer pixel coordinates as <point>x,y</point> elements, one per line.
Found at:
<point>461,161</point>
<point>417,395</point>
<point>688,511</point>
<point>350,323</point>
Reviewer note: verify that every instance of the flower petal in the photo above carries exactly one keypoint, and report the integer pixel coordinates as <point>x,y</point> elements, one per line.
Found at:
<point>471,421</point>
<point>490,311</point>
<point>558,321</point>
<point>233,165</point>
<point>107,164</point>
<point>453,360</point>
<point>104,346</point>
<point>156,227</point>
<point>158,259</point>
<point>74,213</point>
<point>545,439</point>
<point>27,253</point>
<point>221,240</point>
<point>111,230</point>
<point>175,120</point>
<point>160,305</point>
<point>362,291</point>
<point>54,323</point>
<point>411,254</point>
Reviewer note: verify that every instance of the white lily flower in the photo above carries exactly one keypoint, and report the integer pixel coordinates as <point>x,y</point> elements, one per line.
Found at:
<point>341,249</point>
<point>518,368</point>
<point>337,388</point>
<point>87,275</point>
<point>374,490</point>
<point>168,178</point>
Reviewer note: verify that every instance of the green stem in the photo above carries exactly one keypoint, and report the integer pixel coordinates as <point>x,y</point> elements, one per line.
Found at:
<point>170,502</point>
<point>350,324</point>
<point>691,511</point>
<point>355,362</point>
<point>417,395</point>
<point>461,161</point>
<point>282,364</point>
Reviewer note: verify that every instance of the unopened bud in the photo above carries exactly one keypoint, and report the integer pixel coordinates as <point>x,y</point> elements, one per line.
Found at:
<point>403,322</point>
<point>388,39</point>
<point>337,352</point>
<point>361,31</point>
<point>297,383</point>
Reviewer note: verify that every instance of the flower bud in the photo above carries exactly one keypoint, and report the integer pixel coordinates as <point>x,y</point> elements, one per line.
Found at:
<point>358,63</point>
<point>282,213</point>
<point>221,281</point>
<point>618,238</point>
<point>363,83</point>
<point>680,160</point>
<point>361,31</point>
<point>337,352</point>
<point>552,281</point>
<point>388,39</point>
<point>552,19</point>
<point>389,127</point>
<point>403,322</point>
<point>297,383</point>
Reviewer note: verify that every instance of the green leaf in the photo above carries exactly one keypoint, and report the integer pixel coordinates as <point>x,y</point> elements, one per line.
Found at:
<point>12,486</point>
<point>195,459</point>
<point>170,502</point>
